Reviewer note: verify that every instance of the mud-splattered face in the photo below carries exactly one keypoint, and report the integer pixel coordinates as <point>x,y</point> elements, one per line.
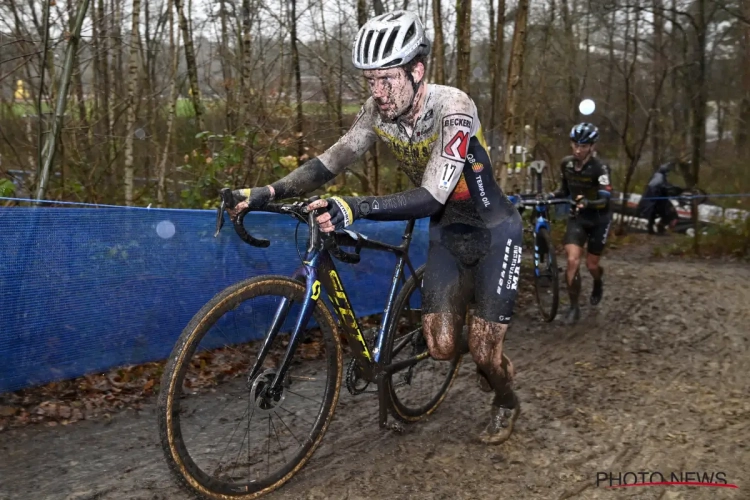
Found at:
<point>391,89</point>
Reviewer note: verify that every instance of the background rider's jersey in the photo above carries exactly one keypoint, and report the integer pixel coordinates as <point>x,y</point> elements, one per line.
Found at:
<point>592,181</point>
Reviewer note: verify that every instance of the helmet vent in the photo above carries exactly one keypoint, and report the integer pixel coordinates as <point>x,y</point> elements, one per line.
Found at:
<point>391,40</point>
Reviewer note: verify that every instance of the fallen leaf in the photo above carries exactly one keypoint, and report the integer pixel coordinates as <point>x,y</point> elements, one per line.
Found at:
<point>7,411</point>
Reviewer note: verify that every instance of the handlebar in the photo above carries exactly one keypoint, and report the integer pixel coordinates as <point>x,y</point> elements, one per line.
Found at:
<point>299,211</point>
<point>555,201</point>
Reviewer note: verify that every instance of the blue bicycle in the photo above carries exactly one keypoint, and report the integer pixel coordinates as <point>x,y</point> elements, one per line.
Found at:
<point>278,393</point>
<point>546,272</point>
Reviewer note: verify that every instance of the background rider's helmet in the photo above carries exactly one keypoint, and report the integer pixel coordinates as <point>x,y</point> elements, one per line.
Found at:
<point>389,40</point>
<point>584,133</point>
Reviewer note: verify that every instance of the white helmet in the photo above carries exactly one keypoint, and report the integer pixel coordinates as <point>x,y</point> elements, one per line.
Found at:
<point>389,40</point>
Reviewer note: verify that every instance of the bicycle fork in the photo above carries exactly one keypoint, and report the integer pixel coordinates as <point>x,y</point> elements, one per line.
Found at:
<point>308,272</point>
<point>312,292</point>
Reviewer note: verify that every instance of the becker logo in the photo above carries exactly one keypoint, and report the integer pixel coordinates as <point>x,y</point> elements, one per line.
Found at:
<point>457,146</point>
<point>456,136</point>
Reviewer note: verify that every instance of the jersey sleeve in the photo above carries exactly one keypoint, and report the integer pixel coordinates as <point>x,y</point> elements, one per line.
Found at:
<point>458,123</point>
<point>605,183</point>
<point>353,143</point>
<point>564,190</point>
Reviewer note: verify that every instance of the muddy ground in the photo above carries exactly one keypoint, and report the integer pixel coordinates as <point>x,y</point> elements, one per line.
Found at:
<point>653,379</point>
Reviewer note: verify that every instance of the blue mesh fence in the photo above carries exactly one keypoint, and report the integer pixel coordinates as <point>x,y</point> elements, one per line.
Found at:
<point>83,290</point>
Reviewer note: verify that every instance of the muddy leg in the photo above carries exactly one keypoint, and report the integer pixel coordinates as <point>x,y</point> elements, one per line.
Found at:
<point>441,330</point>
<point>592,263</point>
<point>574,281</point>
<point>486,345</point>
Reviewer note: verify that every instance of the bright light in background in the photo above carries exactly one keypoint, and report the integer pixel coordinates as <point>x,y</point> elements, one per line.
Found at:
<point>165,229</point>
<point>587,107</point>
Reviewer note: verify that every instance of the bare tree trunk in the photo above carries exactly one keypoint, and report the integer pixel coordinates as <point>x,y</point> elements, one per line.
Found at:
<point>681,84</point>
<point>130,103</point>
<point>117,9</point>
<point>99,79</point>
<point>611,62</point>
<point>340,98</point>
<point>62,95</point>
<point>40,110</point>
<point>463,45</point>
<point>656,123</point>
<point>513,92</point>
<point>245,87</point>
<point>439,44</point>
<point>161,171</point>
<point>497,54</point>
<point>297,81</point>
<point>112,78</point>
<point>570,63</point>
<point>492,59</point>
<point>327,81</point>
<point>192,68</point>
<point>78,81</point>
<point>698,111</point>
<point>361,12</point>
<point>743,117</point>
<point>226,70</point>
<point>587,45</point>
<point>378,6</point>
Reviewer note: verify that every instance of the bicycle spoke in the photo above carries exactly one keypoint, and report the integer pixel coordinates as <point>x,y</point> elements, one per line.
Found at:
<point>287,428</point>
<point>303,396</point>
<point>281,448</point>
<point>221,459</point>
<point>295,415</point>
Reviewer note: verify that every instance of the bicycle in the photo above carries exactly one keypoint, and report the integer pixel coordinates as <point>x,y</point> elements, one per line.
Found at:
<point>278,385</point>
<point>546,272</point>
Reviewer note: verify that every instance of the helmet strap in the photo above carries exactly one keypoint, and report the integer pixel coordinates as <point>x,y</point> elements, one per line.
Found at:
<point>415,88</point>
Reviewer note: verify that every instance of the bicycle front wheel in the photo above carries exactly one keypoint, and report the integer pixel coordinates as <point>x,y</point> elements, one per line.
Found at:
<point>417,390</point>
<point>222,435</point>
<point>546,281</point>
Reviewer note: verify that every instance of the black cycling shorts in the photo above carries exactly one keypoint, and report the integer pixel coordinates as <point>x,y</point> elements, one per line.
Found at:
<point>467,264</point>
<point>589,228</point>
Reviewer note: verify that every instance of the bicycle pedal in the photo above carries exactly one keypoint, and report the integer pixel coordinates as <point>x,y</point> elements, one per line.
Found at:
<point>396,427</point>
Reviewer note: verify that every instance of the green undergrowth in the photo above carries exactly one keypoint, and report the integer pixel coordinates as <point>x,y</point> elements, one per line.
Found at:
<point>731,240</point>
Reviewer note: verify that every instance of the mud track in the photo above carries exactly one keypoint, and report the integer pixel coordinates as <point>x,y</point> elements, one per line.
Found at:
<point>653,379</point>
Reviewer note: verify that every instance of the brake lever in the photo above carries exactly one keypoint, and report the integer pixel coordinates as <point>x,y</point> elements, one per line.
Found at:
<point>220,217</point>
<point>225,194</point>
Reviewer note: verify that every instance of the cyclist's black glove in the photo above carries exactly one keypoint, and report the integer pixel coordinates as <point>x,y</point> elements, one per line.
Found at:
<point>582,202</point>
<point>247,199</point>
<point>344,210</point>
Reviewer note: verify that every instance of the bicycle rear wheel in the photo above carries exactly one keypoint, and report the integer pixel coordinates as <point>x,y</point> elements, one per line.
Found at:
<point>208,371</point>
<point>415,391</point>
<point>546,281</point>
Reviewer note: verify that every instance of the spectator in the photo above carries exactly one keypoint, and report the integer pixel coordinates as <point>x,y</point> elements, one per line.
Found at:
<point>655,204</point>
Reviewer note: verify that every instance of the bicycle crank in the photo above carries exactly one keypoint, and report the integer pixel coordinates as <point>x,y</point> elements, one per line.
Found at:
<point>355,384</point>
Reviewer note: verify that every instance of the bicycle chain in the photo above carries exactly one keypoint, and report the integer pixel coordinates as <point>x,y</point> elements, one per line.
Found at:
<point>352,377</point>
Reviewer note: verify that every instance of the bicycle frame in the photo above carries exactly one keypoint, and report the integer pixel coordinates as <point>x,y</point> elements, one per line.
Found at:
<point>318,270</point>
<point>541,222</point>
